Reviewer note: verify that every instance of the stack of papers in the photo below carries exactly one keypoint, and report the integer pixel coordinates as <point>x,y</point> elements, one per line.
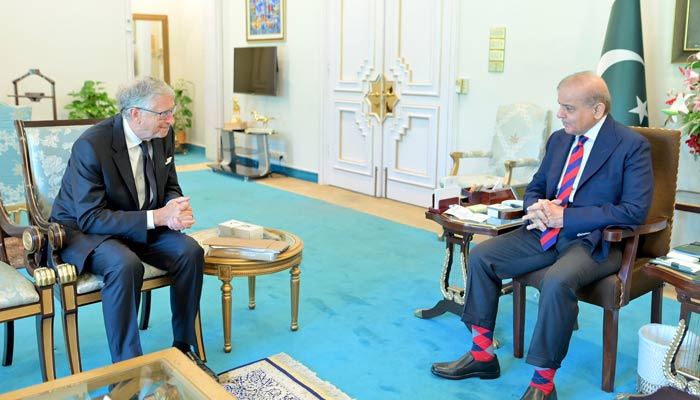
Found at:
<point>685,258</point>
<point>477,215</point>
<point>248,249</point>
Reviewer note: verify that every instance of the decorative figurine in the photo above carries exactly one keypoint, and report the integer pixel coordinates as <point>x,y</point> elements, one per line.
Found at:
<point>260,119</point>
<point>236,118</point>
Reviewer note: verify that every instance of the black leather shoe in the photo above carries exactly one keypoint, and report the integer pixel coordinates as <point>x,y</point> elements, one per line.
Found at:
<point>468,367</point>
<point>532,393</point>
<point>195,358</point>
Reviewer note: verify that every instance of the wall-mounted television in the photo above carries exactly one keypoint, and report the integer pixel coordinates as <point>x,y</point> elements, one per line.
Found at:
<point>255,70</point>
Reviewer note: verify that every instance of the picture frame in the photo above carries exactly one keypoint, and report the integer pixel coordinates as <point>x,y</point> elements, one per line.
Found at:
<point>686,31</point>
<point>265,20</point>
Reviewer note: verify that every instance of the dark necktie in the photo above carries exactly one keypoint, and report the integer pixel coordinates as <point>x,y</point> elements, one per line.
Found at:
<point>549,236</point>
<point>149,202</point>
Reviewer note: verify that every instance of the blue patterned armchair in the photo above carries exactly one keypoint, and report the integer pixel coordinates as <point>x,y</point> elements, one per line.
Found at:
<point>11,180</point>
<point>516,149</point>
<point>45,148</point>
<point>24,296</point>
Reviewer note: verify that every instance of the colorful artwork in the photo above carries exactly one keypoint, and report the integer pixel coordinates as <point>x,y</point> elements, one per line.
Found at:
<point>265,19</point>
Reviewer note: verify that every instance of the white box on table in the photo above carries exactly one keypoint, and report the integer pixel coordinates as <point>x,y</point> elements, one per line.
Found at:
<point>239,229</point>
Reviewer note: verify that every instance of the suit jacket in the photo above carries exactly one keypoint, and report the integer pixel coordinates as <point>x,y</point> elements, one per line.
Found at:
<point>98,199</point>
<point>615,188</point>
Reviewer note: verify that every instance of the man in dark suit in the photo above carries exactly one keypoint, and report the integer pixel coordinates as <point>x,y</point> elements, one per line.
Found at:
<point>116,215</point>
<point>595,173</point>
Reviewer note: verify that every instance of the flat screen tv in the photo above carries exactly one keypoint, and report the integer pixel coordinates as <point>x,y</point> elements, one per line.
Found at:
<point>255,70</point>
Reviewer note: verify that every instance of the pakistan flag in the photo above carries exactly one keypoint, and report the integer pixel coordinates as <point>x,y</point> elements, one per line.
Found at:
<point>621,64</point>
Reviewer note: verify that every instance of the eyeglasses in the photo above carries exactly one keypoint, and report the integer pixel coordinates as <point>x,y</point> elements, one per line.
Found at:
<point>163,115</point>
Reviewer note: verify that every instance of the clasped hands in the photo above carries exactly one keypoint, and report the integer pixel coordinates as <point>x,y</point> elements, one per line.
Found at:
<point>177,214</point>
<point>545,214</point>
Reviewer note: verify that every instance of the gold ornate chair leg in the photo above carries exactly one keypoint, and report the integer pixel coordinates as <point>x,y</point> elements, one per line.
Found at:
<point>199,338</point>
<point>45,332</point>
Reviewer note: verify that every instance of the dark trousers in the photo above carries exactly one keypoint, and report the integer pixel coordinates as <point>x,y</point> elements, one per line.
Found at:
<point>119,262</point>
<point>518,253</point>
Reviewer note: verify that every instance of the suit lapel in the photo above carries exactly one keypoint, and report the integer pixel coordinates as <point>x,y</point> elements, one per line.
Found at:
<point>603,147</point>
<point>121,158</point>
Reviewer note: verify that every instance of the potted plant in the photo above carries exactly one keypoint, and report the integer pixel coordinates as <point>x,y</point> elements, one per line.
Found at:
<point>91,101</point>
<point>183,114</point>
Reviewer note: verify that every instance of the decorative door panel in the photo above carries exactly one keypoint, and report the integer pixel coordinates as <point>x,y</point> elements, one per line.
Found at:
<point>385,110</point>
<point>410,154</point>
<point>414,45</point>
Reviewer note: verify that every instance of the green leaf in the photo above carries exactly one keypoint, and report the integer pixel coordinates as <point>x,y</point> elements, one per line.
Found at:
<point>91,102</point>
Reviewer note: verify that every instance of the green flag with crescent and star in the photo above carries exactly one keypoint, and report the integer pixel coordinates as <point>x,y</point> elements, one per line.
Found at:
<point>621,64</point>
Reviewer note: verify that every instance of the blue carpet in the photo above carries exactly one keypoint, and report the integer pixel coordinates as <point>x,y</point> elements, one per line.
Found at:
<point>362,278</point>
<point>191,155</point>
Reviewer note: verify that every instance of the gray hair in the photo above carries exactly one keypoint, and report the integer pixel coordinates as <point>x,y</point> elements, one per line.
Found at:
<point>140,93</point>
<point>596,90</point>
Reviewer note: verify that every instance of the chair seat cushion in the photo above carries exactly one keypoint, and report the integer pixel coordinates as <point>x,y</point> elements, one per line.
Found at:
<point>466,181</point>
<point>15,288</point>
<point>89,282</point>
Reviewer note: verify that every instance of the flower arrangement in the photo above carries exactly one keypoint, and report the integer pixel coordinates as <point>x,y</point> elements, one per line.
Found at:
<point>685,105</point>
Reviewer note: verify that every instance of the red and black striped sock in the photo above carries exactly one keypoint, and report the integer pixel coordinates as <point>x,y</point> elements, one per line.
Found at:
<point>543,379</point>
<point>482,344</point>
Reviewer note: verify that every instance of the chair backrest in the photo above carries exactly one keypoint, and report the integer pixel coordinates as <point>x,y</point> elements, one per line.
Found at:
<point>45,148</point>
<point>521,130</point>
<point>665,150</point>
<point>11,180</point>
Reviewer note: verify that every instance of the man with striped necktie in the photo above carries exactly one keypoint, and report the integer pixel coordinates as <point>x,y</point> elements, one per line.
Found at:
<point>595,173</point>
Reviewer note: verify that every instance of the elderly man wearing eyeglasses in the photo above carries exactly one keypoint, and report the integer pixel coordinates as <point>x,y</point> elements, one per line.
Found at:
<point>120,203</point>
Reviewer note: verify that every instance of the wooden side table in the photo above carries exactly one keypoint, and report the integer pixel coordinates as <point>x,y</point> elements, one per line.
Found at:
<point>226,268</point>
<point>457,233</point>
<point>229,156</point>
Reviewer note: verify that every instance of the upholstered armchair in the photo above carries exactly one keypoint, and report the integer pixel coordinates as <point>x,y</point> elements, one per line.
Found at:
<point>23,295</point>
<point>11,180</point>
<point>645,243</point>
<point>516,149</point>
<point>45,148</point>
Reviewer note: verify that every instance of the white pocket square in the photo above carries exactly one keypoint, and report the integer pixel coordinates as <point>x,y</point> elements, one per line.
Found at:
<point>168,160</point>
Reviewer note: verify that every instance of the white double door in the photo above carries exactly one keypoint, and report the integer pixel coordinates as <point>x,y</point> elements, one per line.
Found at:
<point>387,111</point>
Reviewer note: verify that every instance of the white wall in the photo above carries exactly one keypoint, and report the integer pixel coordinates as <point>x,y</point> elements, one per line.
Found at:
<point>187,26</point>
<point>298,106</point>
<point>72,42</point>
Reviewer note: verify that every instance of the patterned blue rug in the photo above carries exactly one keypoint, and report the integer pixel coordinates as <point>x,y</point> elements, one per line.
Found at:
<point>278,377</point>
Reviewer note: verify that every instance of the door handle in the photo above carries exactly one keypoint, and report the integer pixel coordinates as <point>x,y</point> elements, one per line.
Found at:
<point>382,98</point>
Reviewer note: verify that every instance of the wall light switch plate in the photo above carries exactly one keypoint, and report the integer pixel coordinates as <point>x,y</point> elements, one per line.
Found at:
<point>496,66</point>
<point>462,86</point>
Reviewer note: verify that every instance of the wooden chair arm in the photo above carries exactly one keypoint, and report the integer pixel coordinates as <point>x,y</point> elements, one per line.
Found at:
<point>629,253</point>
<point>458,155</point>
<point>613,234</point>
<point>7,223</point>
<point>67,274</point>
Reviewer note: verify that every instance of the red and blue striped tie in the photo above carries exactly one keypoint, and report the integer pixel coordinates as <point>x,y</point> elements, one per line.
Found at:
<point>549,236</point>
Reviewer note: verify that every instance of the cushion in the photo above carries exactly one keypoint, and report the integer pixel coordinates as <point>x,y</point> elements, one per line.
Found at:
<point>49,151</point>
<point>466,181</point>
<point>15,288</point>
<point>89,282</point>
<point>11,178</point>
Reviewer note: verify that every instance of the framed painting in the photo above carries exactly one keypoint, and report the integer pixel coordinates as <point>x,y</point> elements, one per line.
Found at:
<point>265,20</point>
<point>686,30</point>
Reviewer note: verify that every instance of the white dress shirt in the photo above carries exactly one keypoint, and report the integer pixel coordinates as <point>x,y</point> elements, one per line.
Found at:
<point>133,144</point>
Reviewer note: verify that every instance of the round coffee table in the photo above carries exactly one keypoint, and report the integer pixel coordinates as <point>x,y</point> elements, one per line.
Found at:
<point>227,268</point>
